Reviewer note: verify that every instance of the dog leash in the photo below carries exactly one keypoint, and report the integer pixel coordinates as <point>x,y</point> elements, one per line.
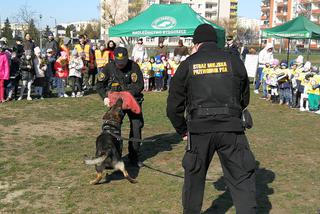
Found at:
<point>130,139</point>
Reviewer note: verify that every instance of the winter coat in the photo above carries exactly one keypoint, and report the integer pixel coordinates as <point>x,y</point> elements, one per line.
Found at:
<point>265,56</point>
<point>139,52</point>
<point>50,72</point>
<point>14,67</point>
<point>27,73</point>
<point>61,68</point>
<point>4,66</point>
<point>53,45</point>
<point>19,50</point>
<point>29,45</point>
<point>75,67</point>
<point>40,67</point>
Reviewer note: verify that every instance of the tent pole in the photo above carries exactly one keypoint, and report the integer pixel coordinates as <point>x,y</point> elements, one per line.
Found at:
<point>288,53</point>
<point>308,54</point>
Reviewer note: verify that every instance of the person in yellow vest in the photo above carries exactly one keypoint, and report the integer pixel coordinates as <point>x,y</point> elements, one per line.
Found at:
<point>102,57</point>
<point>314,91</point>
<point>84,50</point>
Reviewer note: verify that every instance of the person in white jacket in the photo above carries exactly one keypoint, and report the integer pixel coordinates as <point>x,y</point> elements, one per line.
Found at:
<point>265,57</point>
<point>139,51</point>
<point>75,68</point>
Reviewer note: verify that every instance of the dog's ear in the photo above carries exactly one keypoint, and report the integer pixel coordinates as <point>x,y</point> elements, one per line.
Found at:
<point>106,116</point>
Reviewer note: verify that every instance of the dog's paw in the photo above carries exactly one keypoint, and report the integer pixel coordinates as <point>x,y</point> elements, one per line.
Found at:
<point>94,182</point>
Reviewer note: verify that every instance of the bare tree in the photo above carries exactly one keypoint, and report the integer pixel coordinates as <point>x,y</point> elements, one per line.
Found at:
<point>135,7</point>
<point>24,16</point>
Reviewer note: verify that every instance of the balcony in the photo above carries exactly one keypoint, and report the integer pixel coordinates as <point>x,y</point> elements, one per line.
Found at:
<point>265,8</point>
<point>233,7</point>
<point>316,11</point>
<point>305,1</point>
<point>233,14</point>
<point>281,14</point>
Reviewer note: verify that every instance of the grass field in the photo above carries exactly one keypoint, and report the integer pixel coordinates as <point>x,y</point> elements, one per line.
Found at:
<point>42,144</point>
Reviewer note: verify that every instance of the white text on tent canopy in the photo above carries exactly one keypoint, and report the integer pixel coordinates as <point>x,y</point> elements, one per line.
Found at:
<point>158,32</point>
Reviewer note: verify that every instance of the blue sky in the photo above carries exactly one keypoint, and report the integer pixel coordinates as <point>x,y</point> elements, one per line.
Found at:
<point>80,10</point>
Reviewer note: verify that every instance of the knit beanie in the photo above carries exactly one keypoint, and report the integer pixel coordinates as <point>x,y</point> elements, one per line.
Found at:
<point>204,33</point>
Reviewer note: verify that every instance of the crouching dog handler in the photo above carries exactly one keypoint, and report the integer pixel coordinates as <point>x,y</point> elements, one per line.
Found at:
<point>124,75</point>
<point>212,86</point>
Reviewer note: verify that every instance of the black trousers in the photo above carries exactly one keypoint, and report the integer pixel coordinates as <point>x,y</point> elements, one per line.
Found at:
<point>238,165</point>
<point>136,125</point>
<point>75,84</point>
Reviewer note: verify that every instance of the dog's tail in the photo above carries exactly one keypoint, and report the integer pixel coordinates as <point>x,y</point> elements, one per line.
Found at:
<point>95,161</point>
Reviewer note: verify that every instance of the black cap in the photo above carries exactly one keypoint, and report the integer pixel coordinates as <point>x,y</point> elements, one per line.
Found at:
<point>229,38</point>
<point>204,33</point>
<point>121,55</point>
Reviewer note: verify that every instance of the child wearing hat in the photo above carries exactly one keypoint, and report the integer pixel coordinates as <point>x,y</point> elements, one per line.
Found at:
<point>158,73</point>
<point>40,67</point>
<point>272,80</point>
<point>304,86</point>
<point>61,68</point>
<point>75,67</point>
<point>284,84</point>
<point>4,69</point>
<point>27,72</point>
<point>145,68</point>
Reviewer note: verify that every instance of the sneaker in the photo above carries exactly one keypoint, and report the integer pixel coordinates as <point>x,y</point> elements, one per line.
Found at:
<point>302,109</point>
<point>65,95</point>
<point>79,94</point>
<point>317,112</point>
<point>29,98</point>
<point>73,94</point>
<point>256,91</point>
<point>281,102</point>
<point>41,98</point>
<point>20,98</point>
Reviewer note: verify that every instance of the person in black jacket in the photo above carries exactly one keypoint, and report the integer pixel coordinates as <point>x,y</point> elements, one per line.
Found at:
<point>52,44</point>
<point>212,86</point>
<point>123,74</point>
<point>28,44</point>
<point>27,73</point>
<point>13,82</point>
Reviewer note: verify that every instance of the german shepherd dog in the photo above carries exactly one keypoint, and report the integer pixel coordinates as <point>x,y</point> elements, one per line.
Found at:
<point>108,147</point>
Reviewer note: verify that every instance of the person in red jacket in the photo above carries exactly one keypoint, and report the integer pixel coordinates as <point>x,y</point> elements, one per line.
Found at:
<point>61,68</point>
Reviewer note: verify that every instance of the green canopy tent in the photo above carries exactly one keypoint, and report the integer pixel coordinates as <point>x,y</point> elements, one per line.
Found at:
<point>298,28</point>
<point>164,20</point>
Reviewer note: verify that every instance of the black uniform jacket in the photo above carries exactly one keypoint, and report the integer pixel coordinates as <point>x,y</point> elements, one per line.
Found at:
<point>182,91</point>
<point>129,79</point>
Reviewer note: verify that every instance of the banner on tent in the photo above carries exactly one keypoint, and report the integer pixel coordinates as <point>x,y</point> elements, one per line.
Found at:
<point>251,64</point>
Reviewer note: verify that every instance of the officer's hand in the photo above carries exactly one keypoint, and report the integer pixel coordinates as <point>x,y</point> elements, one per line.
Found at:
<point>106,102</point>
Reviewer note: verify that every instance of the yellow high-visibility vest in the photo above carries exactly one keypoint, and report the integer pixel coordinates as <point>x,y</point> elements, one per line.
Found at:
<point>102,58</point>
<point>86,50</point>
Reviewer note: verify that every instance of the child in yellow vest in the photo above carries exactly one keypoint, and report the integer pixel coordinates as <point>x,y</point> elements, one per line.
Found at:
<point>146,68</point>
<point>314,92</point>
<point>266,71</point>
<point>101,57</point>
<point>304,87</point>
<point>272,82</point>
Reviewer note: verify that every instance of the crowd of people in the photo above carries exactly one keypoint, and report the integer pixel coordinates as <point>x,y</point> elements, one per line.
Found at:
<point>295,83</point>
<point>25,68</point>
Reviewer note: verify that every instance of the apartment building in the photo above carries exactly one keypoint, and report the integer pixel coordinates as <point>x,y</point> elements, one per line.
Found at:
<point>277,12</point>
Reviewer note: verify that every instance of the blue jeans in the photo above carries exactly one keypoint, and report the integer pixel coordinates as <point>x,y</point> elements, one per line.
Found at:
<point>258,78</point>
<point>286,95</point>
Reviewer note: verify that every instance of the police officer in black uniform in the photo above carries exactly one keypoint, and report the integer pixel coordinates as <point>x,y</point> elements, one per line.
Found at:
<point>212,86</point>
<point>123,74</point>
